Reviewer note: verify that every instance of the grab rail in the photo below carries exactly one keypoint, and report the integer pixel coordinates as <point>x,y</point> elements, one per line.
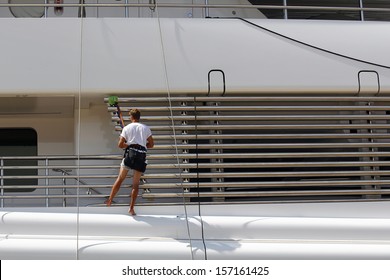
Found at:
<point>205,7</point>
<point>50,187</point>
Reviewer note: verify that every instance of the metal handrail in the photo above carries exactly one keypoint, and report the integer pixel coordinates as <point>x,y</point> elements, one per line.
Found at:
<point>205,7</point>
<point>208,155</point>
<point>276,126</point>
<point>64,157</point>
<point>260,118</point>
<point>261,108</point>
<point>232,194</point>
<point>225,175</point>
<point>237,185</point>
<point>268,184</point>
<point>364,177</point>
<point>277,136</point>
<point>48,178</point>
<point>202,6</point>
<point>269,193</point>
<point>273,155</point>
<point>253,98</point>
<point>227,164</point>
<point>207,165</point>
<point>274,146</point>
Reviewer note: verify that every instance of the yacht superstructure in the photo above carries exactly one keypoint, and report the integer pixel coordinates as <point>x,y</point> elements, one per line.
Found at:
<point>271,133</point>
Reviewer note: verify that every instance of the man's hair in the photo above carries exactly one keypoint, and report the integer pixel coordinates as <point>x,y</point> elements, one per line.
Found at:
<point>135,113</point>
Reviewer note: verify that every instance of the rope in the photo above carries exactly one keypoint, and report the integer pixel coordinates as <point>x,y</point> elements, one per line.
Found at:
<point>197,178</point>
<point>173,128</point>
<point>78,140</point>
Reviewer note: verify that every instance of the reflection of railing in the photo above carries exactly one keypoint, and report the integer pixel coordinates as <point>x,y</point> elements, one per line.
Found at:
<point>65,174</point>
<point>55,189</point>
<point>206,7</point>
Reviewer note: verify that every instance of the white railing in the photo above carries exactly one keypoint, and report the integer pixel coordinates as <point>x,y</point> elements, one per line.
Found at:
<point>56,180</point>
<point>206,7</point>
<point>62,183</point>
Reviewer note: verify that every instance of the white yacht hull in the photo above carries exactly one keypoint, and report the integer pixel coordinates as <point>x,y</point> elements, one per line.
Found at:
<point>273,231</point>
<point>55,74</point>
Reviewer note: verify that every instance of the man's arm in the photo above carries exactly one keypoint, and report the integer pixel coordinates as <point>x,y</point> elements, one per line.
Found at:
<point>122,143</point>
<point>150,142</point>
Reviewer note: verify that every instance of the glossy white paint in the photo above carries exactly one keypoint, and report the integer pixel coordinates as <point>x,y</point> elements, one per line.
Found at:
<point>360,231</point>
<point>127,55</point>
<point>145,12</point>
<point>92,58</point>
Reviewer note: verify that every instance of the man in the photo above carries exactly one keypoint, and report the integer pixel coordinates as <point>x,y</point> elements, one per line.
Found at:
<point>136,138</point>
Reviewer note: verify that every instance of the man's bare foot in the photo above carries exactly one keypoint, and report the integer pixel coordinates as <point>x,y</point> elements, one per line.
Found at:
<point>132,212</point>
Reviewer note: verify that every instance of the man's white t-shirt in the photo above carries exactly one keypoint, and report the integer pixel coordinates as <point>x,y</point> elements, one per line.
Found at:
<point>136,133</point>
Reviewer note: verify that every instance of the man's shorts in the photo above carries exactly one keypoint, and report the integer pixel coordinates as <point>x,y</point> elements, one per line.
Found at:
<point>134,160</point>
<point>124,166</point>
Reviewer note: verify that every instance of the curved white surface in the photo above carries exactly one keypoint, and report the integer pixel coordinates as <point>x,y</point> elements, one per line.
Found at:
<point>125,55</point>
<point>110,233</point>
<point>299,250</point>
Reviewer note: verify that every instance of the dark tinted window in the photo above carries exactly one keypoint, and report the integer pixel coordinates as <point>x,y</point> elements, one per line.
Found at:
<point>16,142</point>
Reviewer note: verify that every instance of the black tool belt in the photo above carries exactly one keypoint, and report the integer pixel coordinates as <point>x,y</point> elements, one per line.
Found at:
<point>135,158</point>
<point>137,147</point>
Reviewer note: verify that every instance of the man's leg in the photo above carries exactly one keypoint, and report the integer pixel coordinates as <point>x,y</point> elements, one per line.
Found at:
<point>134,192</point>
<point>115,188</point>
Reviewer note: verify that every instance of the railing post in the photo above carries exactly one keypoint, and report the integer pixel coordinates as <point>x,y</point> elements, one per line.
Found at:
<point>64,173</point>
<point>64,189</point>
<point>361,11</point>
<point>46,8</point>
<point>372,150</point>
<point>82,12</point>
<point>207,9</point>
<point>2,183</point>
<point>218,150</point>
<point>185,142</point>
<point>285,13</point>
<point>126,9</point>
<point>47,181</point>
